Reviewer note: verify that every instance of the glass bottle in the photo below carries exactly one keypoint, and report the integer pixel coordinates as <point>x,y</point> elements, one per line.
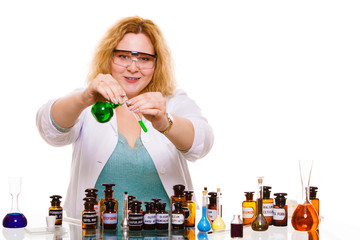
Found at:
<point>155,201</point>
<point>55,209</point>
<point>178,216</point>
<point>92,192</point>
<point>280,210</point>
<point>236,228</point>
<point>218,224</point>
<point>136,217</point>
<point>149,216</point>
<point>305,217</point>
<point>212,213</point>
<point>191,206</point>
<point>204,223</point>
<point>315,201</point>
<point>108,196</point>
<point>110,216</point>
<point>14,219</point>
<point>178,195</point>
<point>162,217</point>
<point>259,223</point>
<point>207,206</point>
<point>268,205</point>
<point>88,215</point>
<point>103,111</point>
<point>248,208</point>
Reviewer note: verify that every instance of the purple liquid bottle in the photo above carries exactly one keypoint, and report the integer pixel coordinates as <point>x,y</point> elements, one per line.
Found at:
<point>14,219</point>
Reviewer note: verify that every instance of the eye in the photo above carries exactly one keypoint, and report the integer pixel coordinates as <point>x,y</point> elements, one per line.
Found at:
<point>122,56</point>
<point>144,59</point>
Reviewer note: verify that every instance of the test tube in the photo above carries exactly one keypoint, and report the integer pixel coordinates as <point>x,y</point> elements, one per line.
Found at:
<point>138,118</point>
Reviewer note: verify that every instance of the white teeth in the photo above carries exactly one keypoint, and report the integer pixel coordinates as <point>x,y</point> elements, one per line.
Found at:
<point>132,78</point>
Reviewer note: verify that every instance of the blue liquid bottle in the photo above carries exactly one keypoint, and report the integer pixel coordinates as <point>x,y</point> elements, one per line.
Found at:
<point>14,219</point>
<point>204,223</point>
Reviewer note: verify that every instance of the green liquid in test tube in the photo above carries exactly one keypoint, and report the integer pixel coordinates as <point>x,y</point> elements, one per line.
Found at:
<point>103,112</point>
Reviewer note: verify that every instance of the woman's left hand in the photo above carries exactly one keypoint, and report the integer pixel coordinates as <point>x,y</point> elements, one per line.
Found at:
<point>152,105</point>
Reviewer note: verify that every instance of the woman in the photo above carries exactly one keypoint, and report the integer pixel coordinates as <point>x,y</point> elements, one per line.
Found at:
<point>132,62</point>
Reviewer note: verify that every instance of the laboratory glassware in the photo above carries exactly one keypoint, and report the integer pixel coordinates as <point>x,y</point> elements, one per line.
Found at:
<point>260,223</point>
<point>14,219</point>
<point>305,217</point>
<point>218,224</point>
<point>204,223</point>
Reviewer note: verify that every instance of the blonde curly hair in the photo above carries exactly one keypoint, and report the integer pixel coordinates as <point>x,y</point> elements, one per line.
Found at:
<point>163,79</point>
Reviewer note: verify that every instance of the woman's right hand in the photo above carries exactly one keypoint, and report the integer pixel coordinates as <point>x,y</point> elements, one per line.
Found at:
<point>103,88</point>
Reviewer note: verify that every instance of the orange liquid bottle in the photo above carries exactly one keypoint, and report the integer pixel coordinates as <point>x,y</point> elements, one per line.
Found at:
<point>248,208</point>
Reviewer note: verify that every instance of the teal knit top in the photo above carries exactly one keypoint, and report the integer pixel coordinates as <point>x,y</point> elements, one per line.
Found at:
<point>133,171</point>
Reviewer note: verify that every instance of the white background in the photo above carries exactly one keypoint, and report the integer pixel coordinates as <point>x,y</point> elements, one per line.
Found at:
<point>277,80</point>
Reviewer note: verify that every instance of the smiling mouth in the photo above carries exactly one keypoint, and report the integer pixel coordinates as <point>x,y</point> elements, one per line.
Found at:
<point>132,79</point>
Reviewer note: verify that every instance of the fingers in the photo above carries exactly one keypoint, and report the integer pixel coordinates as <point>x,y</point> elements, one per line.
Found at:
<point>152,103</point>
<point>109,88</point>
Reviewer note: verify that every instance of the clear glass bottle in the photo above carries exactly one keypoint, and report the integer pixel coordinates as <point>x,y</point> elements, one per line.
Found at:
<point>236,228</point>
<point>259,223</point>
<point>305,217</point>
<point>14,219</point>
<point>204,224</point>
<point>248,208</point>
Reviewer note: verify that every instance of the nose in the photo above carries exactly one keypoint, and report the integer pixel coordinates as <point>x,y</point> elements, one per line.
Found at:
<point>133,65</point>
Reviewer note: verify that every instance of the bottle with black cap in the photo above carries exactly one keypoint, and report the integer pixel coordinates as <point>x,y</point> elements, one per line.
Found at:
<point>55,209</point>
<point>248,208</point>
<point>280,210</point>
<point>92,192</point>
<point>108,196</point>
<point>136,217</point>
<point>268,205</point>
<point>314,201</point>
<point>88,216</point>
<point>212,206</point>
<point>110,215</point>
<point>149,216</point>
<point>190,210</point>
<point>178,195</point>
<point>178,216</point>
<point>162,217</point>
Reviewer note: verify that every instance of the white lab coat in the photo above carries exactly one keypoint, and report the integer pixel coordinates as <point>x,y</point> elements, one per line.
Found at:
<point>94,142</point>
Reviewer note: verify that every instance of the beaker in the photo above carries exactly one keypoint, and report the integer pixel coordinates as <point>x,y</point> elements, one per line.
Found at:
<point>305,217</point>
<point>14,219</point>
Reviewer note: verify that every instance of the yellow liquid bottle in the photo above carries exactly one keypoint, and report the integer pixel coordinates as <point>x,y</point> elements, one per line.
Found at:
<point>218,224</point>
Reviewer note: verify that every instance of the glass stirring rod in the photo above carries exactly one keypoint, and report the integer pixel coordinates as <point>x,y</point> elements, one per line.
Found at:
<point>138,118</point>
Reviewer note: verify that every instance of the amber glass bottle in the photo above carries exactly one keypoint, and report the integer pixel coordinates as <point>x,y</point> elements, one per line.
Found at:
<point>212,213</point>
<point>92,192</point>
<point>248,208</point>
<point>178,195</point>
<point>162,217</point>
<point>55,209</point>
<point>191,206</point>
<point>280,210</point>
<point>315,201</point>
<point>268,205</point>
<point>136,217</point>
<point>88,216</point>
<point>178,216</point>
<point>110,215</point>
<point>149,216</point>
<point>108,192</point>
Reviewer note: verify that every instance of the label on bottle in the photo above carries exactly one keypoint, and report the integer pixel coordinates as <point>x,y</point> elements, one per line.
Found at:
<point>162,218</point>
<point>268,209</point>
<point>89,218</point>
<point>248,212</point>
<point>177,219</point>
<point>212,214</point>
<point>110,218</point>
<point>57,213</point>
<point>136,219</point>
<point>149,218</point>
<point>279,214</point>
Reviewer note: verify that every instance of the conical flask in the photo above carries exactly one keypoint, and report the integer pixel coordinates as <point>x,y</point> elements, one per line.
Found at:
<point>305,217</point>
<point>260,223</point>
